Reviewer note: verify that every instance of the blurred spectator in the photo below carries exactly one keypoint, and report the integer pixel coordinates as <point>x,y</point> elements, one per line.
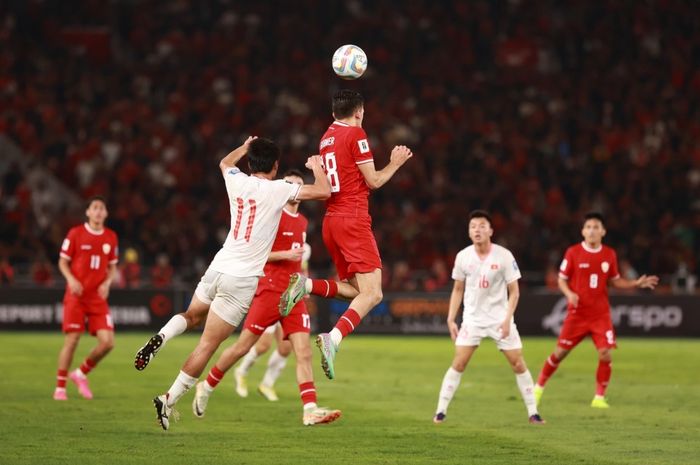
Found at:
<point>7,273</point>
<point>42,272</point>
<point>440,277</point>
<point>130,269</point>
<point>682,281</point>
<point>162,272</point>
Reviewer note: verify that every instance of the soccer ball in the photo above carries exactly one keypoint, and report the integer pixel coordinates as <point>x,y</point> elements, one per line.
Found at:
<point>349,62</point>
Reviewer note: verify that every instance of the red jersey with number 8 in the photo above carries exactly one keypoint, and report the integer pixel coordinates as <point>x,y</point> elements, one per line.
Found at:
<point>343,148</point>
<point>588,270</point>
<point>89,253</point>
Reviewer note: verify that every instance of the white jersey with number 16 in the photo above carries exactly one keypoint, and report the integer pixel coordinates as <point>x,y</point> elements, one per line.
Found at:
<point>256,206</point>
<point>485,283</point>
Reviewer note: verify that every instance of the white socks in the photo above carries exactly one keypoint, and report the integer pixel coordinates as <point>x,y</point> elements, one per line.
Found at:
<point>450,383</point>
<point>274,368</point>
<point>182,384</point>
<point>336,337</point>
<point>526,387</point>
<point>176,326</point>
<point>247,362</point>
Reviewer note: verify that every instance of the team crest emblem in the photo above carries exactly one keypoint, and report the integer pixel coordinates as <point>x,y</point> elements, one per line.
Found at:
<point>106,248</point>
<point>605,266</point>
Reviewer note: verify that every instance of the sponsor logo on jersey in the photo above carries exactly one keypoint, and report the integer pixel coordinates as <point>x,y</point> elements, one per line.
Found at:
<point>605,266</point>
<point>364,146</point>
<point>494,266</point>
<point>106,248</point>
<point>584,265</point>
<point>287,233</point>
<point>85,247</point>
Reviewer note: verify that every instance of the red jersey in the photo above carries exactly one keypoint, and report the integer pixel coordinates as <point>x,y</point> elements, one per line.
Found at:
<point>343,148</point>
<point>90,253</point>
<point>291,234</point>
<point>588,271</point>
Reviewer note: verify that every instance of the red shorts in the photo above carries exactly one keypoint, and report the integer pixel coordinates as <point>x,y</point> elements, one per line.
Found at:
<point>92,307</point>
<point>351,244</point>
<point>576,328</point>
<point>264,312</point>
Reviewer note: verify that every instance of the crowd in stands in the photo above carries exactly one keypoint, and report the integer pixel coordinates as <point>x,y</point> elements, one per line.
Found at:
<point>537,111</point>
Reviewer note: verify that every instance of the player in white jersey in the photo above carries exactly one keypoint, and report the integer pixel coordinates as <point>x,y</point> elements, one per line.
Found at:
<point>229,284</point>
<point>486,282</point>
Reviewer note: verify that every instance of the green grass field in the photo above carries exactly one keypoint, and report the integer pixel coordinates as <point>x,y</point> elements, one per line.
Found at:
<point>387,389</point>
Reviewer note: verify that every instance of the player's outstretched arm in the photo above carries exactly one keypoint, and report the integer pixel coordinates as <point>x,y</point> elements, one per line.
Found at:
<point>321,188</point>
<point>644,281</point>
<point>376,179</point>
<point>455,302</point>
<point>230,160</point>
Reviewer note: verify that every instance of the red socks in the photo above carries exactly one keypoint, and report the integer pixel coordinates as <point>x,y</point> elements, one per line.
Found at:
<point>348,321</point>
<point>87,366</point>
<point>550,366</point>
<point>602,377</point>
<point>307,392</point>
<point>214,376</point>
<point>324,288</point>
<point>61,376</point>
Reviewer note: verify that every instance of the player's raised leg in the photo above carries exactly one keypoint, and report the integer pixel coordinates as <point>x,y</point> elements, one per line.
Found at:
<point>550,367</point>
<point>178,324</point>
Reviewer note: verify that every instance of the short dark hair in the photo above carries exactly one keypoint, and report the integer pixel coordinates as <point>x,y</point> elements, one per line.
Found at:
<point>480,214</point>
<point>262,155</point>
<point>95,198</point>
<point>594,216</point>
<point>346,102</point>
<point>293,172</point>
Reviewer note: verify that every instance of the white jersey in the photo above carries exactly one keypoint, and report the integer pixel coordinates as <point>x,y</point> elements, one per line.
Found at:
<point>485,284</point>
<point>256,207</point>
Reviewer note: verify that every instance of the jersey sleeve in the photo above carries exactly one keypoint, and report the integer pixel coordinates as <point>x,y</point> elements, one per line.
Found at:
<point>614,270</point>
<point>285,191</point>
<point>458,273</point>
<point>68,246</point>
<point>359,148</point>
<point>510,267</point>
<point>567,265</point>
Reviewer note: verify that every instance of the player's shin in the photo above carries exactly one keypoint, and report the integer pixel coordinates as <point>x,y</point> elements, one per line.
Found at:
<point>450,383</point>
<point>550,366</point>
<point>176,326</point>
<point>526,386</point>
<point>181,385</point>
<point>346,324</point>
<point>274,368</point>
<point>603,377</point>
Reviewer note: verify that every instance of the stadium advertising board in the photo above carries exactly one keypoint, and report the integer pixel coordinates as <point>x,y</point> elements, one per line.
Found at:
<point>420,313</point>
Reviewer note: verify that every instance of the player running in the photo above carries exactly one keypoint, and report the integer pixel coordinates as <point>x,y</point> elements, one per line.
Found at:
<point>583,279</point>
<point>256,203</point>
<point>88,261</point>
<point>486,280</point>
<point>347,226</point>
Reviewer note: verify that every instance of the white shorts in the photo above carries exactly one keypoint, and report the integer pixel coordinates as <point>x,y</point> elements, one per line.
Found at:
<point>228,296</point>
<point>471,335</point>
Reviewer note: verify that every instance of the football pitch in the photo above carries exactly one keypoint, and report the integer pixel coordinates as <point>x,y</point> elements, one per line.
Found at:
<point>387,388</point>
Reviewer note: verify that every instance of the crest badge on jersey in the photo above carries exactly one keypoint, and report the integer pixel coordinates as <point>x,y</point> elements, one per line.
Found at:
<point>605,266</point>
<point>106,248</point>
<point>364,146</point>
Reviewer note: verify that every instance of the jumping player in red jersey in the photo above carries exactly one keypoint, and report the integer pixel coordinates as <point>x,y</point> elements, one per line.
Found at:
<point>583,279</point>
<point>347,226</point>
<point>88,261</point>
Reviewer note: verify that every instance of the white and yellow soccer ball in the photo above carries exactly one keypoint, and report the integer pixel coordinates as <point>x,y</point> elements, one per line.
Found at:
<point>349,62</point>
